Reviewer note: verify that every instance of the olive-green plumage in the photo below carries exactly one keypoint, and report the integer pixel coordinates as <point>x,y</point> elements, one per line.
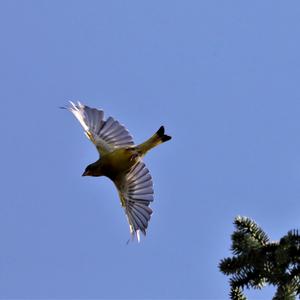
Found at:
<point>116,163</point>
<point>121,161</point>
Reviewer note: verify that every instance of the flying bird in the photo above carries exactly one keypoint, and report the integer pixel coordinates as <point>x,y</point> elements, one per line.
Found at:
<point>121,161</point>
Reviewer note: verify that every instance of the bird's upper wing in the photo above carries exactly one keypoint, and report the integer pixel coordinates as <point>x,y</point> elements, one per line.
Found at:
<point>136,193</point>
<point>107,135</point>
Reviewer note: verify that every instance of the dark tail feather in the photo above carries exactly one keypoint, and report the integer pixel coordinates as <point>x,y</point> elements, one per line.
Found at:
<point>156,139</point>
<point>161,133</point>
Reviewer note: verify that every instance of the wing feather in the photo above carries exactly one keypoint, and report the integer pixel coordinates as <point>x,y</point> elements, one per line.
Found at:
<point>136,193</point>
<point>107,135</point>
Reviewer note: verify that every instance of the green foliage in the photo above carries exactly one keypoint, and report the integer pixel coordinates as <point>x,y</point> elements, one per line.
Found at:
<point>258,261</point>
<point>236,294</point>
<point>286,292</point>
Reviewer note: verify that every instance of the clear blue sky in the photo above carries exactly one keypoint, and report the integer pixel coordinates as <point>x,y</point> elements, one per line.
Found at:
<point>222,76</point>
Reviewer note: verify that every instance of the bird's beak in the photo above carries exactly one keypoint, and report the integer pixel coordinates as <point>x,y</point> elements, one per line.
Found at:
<point>85,173</point>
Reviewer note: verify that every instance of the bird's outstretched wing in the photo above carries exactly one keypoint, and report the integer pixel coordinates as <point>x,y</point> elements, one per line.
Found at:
<point>136,193</point>
<point>107,135</point>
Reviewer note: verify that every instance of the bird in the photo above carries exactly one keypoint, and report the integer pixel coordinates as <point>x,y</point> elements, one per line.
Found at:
<point>122,162</point>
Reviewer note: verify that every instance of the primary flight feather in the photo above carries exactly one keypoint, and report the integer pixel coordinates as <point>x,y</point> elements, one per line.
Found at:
<point>121,161</point>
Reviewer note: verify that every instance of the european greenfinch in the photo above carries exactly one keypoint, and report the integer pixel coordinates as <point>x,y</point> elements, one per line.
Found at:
<point>121,161</point>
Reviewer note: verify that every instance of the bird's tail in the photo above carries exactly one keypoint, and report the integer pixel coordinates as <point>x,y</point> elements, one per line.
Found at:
<point>158,138</point>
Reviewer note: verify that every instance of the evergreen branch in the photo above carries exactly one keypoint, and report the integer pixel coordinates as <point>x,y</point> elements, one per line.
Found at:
<point>247,225</point>
<point>256,261</point>
<point>237,264</point>
<point>236,294</point>
<point>247,279</point>
<point>285,292</point>
<point>243,243</point>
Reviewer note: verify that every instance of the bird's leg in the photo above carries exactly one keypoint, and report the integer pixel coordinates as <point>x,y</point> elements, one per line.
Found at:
<point>133,156</point>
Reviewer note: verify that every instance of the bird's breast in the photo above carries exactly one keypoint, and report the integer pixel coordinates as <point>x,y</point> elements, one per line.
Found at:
<point>118,162</point>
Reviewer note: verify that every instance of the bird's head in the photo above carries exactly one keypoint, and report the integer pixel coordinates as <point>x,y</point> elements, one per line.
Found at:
<point>92,170</point>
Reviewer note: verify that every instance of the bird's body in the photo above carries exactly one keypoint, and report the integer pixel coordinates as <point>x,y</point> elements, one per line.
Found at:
<point>121,161</point>
<point>115,163</point>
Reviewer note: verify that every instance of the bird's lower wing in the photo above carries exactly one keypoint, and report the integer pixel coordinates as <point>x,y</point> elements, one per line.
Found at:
<point>136,192</point>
